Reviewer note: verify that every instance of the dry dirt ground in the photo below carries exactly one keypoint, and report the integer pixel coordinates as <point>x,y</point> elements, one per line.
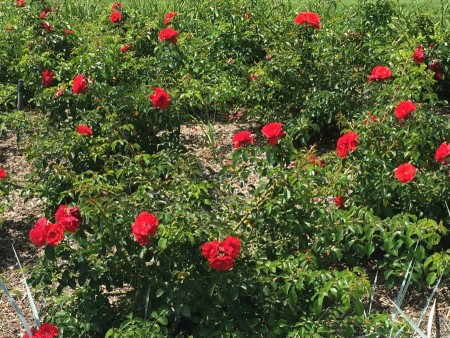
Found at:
<point>212,151</point>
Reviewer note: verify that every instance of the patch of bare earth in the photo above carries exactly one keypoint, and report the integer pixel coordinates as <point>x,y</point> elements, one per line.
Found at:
<point>17,221</point>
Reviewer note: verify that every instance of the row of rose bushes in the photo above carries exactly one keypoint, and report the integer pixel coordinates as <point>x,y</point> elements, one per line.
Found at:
<point>287,233</point>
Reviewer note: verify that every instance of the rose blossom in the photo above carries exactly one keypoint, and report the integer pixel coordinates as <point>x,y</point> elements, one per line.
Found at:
<point>68,217</point>
<point>125,48</point>
<point>338,200</point>
<point>58,92</point>
<point>3,174</point>
<point>37,234</point>
<point>116,6</point>
<point>419,56</point>
<point>442,152</point>
<point>145,225</point>
<point>242,137</point>
<point>115,17</point>
<point>20,3</point>
<point>247,15</point>
<point>221,255</point>
<point>168,34</point>
<point>47,78</point>
<point>403,109</point>
<point>54,233</point>
<point>160,99</point>
<point>84,130</point>
<point>46,26</point>
<point>68,31</point>
<point>310,18</point>
<point>380,73</point>
<point>405,172</point>
<point>79,84</point>
<point>273,131</point>
<point>46,330</point>
<point>346,143</point>
<point>169,16</point>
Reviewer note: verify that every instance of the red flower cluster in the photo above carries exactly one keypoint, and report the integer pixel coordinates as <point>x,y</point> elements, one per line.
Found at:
<point>115,17</point>
<point>47,78</point>
<point>405,172</point>
<point>68,31</point>
<point>169,16</point>
<point>20,3</point>
<point>3,174</point>
<point>145,225</point>
<point>241,138</point>
<point>435,67</point>
<point>346,143</point>
<point>84,130</point>
<point>310,18</point>
<point>125,48</point>
<point>79,84</point>
<point>273,131</point>
<point>403,109</point>
<point>380,73</point>
<point>419,55</point>
<point>46,330</point>
<point>442,152</point>
<point>44,232</point>
<point>160,98</point>
<point>221,255</point>
<point>168,34</point>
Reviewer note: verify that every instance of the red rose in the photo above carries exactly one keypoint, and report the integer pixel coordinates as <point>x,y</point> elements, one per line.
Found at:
<point>79,84</point>
<point>221,255</point>
<point>145,225</point>
<point>116,6</point>
<point>252,77</point>
<point>338,201</point>
<point>403,109</point>
<point>442,152</point>
<point>371,118</point>
<point>380,73</point>
<point>68,217</point>
<point>46,26</point>
<point>273,131</point>
<point>47,78</point>
<point>247,15</point>
<point>438,76</point>
<point>20,3</point>
<point>68,31</point>
<point>58,92</point>
<point>46,330</point>
<point>3,174</point>
<point>37,234</point>
<point>125,48</point>
<point>33,331</point>
<point>346,143</point>
<point>168,34</point>
<point>419,56</point>
<point>405,172</point>
<point>84,130</point>
<point>160,98</point>
<point>54,233</point>
<point>310,18</point>
<point>435,65</point>
<point>115,17</point>
<point>242,137</point>
<point>209,249</point>
<point>169,16</point>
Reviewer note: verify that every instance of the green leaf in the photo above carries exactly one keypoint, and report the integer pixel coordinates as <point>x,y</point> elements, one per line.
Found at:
<point>162,243</point>
<point>50,253</point>
<point>292,297</point>
<point>163,320</point>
